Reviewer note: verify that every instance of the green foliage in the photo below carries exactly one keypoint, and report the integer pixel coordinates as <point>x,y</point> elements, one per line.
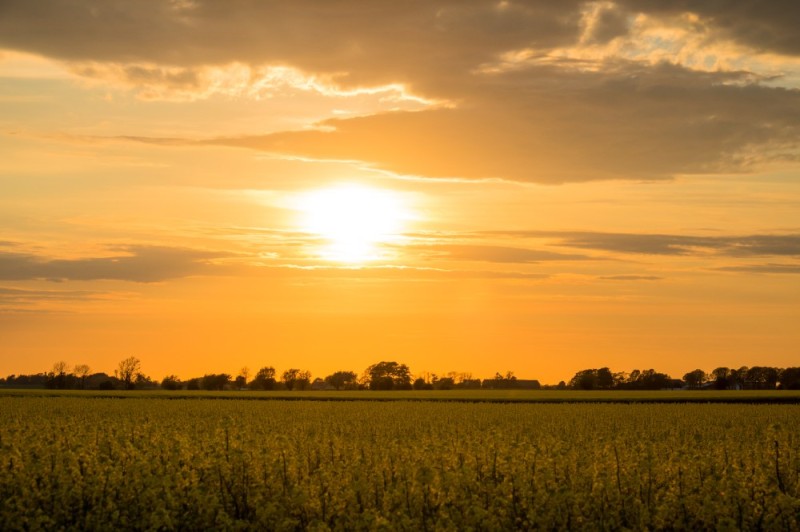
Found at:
<point>103,464</point>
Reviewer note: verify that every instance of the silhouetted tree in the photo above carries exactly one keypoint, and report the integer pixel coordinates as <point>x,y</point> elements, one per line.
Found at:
<point>264,379</point>
<point>241,380</point>
<point>127,370</point>
<point>388,376</point>
<point>171,382</point>
<point>443,383</point>
<point>739,377</point>
<point>421,384</point>
<point>215,381</point>
<point>762,378</point>
<point>605,379</point>
<point>143,382</point>
<point>193,384</point>
<point>501,382</point>
<point>470,384</point>
<point>58,377</point>
<point>584,380</point>
<point>462,379</point>
<point>303,380</point>
<point>81,373</point>
<point>295,379</point>
<point>695,379</point>
<point>342,379</point>
<point>651,379</point>
<point>722,378</point>
<point>790,379</point>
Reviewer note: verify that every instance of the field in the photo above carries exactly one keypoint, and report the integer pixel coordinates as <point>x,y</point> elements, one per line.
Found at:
<point>97,463</point>
<point>468,396</point>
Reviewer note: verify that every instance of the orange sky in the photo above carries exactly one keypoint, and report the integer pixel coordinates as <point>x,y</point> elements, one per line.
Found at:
<point>473,186</point>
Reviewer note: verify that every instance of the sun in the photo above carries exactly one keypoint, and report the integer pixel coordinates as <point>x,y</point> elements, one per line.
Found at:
<point>353,220</point>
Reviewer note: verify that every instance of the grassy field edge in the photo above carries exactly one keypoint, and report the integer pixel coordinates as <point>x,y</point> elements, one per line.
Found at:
<point>469,396</point>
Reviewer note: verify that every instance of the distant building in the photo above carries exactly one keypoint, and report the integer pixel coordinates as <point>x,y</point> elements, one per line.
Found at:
<point>321,386</point>
<point>469,384</point>
<point>527,384</point>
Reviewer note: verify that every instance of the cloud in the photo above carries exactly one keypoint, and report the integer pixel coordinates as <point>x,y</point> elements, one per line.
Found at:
<point>770,26</point>
<point>504,101</point>
<point>389,39</point>
<point>14,296</point>
<point>393,273</point>
<point>603,21</point>
<point>410,39</point>
<point>12,293</point>
<point>666,244</point>
<point>488,253</point>
<point>548,125</point>
<point>142,264</point>
<point>21,300</point>
<point>764,268</point>
<point>631,278</point>
<point>149,264</point>
<point>152,81</point>
<point>647,244</point>
<point>764,245</point>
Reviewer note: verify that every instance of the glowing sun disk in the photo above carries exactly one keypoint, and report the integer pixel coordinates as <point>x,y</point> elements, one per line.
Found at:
<point>353,219</point>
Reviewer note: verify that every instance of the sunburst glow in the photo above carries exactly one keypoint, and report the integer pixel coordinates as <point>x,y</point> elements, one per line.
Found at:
<point>353,220</point>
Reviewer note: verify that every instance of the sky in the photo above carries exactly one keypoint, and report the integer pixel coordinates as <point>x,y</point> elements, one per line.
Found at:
<point>472,186</point>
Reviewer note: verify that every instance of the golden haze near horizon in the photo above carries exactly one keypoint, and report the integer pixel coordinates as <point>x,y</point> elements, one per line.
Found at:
<point>476,186</point>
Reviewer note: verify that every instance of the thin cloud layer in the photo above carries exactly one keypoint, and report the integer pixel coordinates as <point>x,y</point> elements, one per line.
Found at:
<point>487,253</point>
<point>390,273</point>
<point>665,244</point>
<point>764,268</point>
<point>631,278</point>
<point>21,300</point>
<point>142,265</point>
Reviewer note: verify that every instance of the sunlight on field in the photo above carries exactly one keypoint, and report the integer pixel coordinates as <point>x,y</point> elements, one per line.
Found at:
<point>201,464</point>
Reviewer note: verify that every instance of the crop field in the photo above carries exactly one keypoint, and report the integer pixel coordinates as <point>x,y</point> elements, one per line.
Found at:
<point>100,463</point>
<point>468,396</point>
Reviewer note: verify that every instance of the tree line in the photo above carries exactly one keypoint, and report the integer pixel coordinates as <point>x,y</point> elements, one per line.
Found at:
<point>384,375</point>
<point>391,375</point>
<point>721,378</point>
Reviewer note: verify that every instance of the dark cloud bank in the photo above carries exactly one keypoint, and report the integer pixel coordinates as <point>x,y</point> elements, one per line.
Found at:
<point>541,121</point>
